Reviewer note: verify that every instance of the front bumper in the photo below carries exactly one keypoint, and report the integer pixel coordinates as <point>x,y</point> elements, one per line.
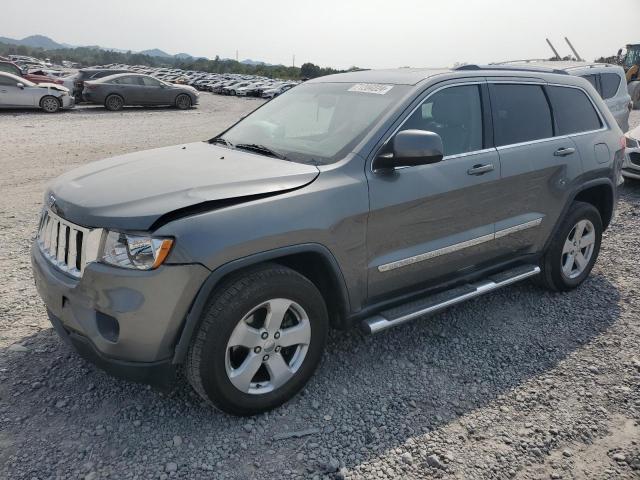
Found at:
<point>68,102</point>
<point>631,164</point>
<point>123,315</point>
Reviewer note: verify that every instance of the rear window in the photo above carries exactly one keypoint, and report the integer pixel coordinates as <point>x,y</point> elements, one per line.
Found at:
<point>610,83</point>
<point>520,113</point>
<point>573,110</point>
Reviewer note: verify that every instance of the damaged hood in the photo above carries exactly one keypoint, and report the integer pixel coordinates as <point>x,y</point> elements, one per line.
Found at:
<point>53,86</point>
<point>131,192</point>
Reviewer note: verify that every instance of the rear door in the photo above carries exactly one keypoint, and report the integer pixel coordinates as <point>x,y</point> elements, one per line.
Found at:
<point>538,166</point>
<point>431,221</point>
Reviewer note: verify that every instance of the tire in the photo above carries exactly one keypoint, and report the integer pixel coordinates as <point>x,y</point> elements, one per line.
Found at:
<point>220,369</point>
<point>183,101</point>
<point>556,272</point>
<point>114,103</point>
<point>50,104</point>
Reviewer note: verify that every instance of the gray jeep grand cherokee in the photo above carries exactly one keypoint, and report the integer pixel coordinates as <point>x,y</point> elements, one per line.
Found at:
<point>369,198</point>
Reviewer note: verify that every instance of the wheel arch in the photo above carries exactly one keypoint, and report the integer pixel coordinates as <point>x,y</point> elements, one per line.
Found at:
<point>51,96</point>
<point>312,260</point>
<point>602,196</point>
<point>600,193</point>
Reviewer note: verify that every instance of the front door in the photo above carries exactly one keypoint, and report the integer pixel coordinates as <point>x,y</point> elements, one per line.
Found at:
<point>431,221</point>
<point>13,96</point>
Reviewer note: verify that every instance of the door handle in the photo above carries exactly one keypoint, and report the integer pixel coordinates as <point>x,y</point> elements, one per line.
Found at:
<point>3,91</point>
<point>563,152</point>
<point>480,169</point>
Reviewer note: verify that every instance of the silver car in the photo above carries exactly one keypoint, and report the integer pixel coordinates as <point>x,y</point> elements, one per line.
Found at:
<point>17,92</point>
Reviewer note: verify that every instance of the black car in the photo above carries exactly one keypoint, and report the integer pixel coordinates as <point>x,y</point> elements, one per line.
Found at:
<point>116,91</point>
<point>91,74</point>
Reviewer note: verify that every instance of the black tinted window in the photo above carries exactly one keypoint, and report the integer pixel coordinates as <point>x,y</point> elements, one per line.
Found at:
<point>453,113</point>
<point>610,83</point>
<point>592,80</point>
<point>520,113</point>
<point>573,110</point>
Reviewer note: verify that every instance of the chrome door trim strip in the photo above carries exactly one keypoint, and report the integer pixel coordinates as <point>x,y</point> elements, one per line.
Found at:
<point>436,253</point>
<point>459,246</point>
<point>518,228</point>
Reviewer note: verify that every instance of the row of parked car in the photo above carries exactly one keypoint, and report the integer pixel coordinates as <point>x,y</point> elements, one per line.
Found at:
<point>225,84</point>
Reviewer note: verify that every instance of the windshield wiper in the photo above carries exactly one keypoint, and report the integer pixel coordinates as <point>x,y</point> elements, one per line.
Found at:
<point>254,147</point>
<point>222,141</point>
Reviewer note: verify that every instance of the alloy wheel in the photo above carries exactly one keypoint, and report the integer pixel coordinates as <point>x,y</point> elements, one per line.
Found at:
<point>268,346</point>
<point>578,249</point>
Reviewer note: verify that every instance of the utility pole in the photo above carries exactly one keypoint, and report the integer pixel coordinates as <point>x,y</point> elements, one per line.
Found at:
<point>236,55</point>
<point>294,60</point>
<point>555,52</point>
<point>573,50</point>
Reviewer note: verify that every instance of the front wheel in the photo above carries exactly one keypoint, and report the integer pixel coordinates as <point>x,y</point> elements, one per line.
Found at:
<point>573,250</point>
<point>183,101</point>
<point>50,104</point>
<point>261,338</point>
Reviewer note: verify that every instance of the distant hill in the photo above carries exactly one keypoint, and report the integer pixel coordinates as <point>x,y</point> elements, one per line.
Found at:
<point>46,43</point>
<point>35,41</point>
<point>155,52</point>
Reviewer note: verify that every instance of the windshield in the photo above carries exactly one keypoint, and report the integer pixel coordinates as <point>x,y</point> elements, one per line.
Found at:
<point>633,56</point>
<point>316,122</point>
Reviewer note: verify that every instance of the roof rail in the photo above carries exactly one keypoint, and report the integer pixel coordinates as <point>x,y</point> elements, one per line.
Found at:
<point>512,68</point>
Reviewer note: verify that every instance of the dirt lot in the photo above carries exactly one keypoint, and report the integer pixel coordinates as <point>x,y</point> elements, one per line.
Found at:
<point>518,384</point>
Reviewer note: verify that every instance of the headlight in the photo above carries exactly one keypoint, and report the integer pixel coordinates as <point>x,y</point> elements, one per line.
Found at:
<point>631,142</point>
<point>135,251</point>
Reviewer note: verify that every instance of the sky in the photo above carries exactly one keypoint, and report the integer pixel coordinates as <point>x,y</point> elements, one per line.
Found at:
<point>337,33</point>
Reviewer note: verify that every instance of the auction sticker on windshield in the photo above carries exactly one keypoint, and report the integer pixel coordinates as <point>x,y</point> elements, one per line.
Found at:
<point>376,88</point>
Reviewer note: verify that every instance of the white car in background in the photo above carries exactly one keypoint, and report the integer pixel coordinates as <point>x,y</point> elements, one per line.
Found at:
<point>17,92</point>
<point>631,165</point>
<point>274,92</point>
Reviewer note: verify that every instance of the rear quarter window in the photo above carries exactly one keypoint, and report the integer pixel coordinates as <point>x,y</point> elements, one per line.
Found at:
<point>573,110</point>
<point>610,83</point>
<point>521,113</point>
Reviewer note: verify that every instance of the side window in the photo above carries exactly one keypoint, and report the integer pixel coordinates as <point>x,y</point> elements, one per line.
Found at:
<point>592,79</point>
<point>610,83</point>
<point>455,114</point>
<point>573,110</point>
<point>520,113</point>
<point>150,82</point>
<point>5,67</point>
<point>8,82</point>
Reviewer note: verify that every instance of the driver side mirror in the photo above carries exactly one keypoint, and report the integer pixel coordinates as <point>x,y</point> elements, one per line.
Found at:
<point>20,85</point>
<point>411,148</point>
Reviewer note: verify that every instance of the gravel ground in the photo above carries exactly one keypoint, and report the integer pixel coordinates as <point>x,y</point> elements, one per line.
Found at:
<point>521,383</point>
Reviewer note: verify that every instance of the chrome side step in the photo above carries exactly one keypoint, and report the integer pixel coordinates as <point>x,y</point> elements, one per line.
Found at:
<point>425,306</point>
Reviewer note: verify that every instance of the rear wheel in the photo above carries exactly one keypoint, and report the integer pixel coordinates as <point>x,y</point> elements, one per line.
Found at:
<point>573,250</point>
<point>114,103</point>
<point>50,104</point>
<point>183,101</point>
<point>261,338</point>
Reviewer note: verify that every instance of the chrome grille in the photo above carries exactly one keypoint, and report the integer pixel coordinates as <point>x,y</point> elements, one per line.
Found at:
<point>68,246</point>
